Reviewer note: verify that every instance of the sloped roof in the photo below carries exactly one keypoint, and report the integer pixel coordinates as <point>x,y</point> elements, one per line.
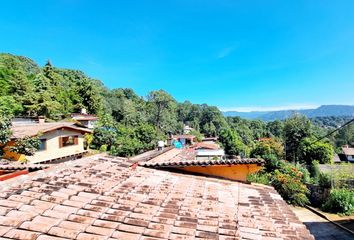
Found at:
<point>186,136</point>
<point>33,129</point>
<point>187,157</point>
<point>205,145</point>
<point>106,199</point>
<point>348,150</point>
<point>83,116</point>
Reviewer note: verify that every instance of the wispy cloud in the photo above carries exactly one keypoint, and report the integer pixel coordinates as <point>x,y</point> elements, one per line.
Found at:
<point>226,51</point>
<point>273,108</point>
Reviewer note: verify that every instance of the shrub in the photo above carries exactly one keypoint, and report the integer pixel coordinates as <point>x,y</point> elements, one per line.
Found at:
<point>103,148</point>
<point>325,180</point>
<point>315,171</point>
<point>260,177</point>
<point>340,201</point>
<point>271,162</point>
<point>290,186</point>
<point>288,180</point>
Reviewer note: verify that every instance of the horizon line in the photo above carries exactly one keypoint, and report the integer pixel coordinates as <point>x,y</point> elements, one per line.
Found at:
<point>267,109</point>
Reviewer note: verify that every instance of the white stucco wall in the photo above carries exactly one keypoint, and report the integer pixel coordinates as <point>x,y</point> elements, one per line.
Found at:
<point>52,146</point>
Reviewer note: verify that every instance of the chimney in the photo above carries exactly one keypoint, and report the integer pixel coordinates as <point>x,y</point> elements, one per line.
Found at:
<point>83,111</point>
<point>41,119</point>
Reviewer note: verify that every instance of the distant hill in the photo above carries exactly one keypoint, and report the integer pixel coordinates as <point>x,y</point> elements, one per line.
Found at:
<point>322,111</point>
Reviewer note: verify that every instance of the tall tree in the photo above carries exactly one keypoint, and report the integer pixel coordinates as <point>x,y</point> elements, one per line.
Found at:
<point>296,128</point>
<point>162,109</point>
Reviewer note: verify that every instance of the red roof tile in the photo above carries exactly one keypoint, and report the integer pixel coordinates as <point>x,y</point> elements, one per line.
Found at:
<point>33,129</point>
<point>106,199</point>
<point>187,157</point>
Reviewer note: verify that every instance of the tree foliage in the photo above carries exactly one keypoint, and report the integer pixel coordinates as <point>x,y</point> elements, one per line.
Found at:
<point>311,150</point>
<point>296,128</point>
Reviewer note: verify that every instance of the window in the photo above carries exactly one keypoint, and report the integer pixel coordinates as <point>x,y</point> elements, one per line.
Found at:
<point>68,141</point>
<point>43,145</point>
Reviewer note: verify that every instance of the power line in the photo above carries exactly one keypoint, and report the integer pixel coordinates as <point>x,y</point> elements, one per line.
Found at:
<point>335,130</point>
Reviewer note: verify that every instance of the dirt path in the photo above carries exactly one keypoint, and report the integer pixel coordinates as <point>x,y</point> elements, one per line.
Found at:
<point>319,227</point>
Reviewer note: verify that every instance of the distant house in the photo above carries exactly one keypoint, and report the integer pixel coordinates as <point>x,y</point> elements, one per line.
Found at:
<point>87,120</point>
<point>187,129</point>
<point>187,160</point>
<point>185,139</point>
<point>208,151</point>
<point>210,139</point>
<point>348,153</point>
<point>59,140</point>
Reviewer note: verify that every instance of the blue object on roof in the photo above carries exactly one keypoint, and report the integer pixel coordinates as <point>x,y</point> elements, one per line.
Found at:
<point>177,144</point>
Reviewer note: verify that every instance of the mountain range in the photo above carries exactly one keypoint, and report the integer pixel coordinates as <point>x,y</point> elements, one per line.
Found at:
<point>322,111</point>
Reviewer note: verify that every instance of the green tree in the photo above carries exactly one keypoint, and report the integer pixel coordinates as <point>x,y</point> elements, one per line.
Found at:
<point>311,150</point>
<point>275,128</point>
<point>296,128</point>
<point>162,109</point>
<point>27,145</point>
<point>232,143</point>
<point>5,132</point>
<point>9,106</point>
<point>269,146</point>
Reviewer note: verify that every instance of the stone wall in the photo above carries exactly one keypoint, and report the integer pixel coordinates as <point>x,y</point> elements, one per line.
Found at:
<point>318,194</point>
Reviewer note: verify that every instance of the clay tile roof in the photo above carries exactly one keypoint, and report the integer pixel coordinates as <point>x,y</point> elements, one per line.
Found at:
<point>348,150</point>
<point>32,129</point>
<point>14,166</point>
<point>205,145</point>
<point>103,198</point>
<point>182,157</point>
<point>186,136</point>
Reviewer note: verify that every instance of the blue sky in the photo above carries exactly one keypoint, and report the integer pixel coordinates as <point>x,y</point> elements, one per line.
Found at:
<point>250,55</point>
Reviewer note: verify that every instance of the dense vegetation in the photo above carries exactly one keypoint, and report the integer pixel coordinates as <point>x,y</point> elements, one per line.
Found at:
<point>27,145</point>
<point>130,124</point>
<point>26,89</point>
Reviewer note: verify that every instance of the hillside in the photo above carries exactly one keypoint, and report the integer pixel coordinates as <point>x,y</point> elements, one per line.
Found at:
<point>322,111</point>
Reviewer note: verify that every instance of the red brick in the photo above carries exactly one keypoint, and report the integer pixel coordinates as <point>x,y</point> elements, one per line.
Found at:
<point>4,230</point>
<point>106,224</point>
<point>63,232</point>
<point>20,198</point>
<point>81,219</point>
<point>65,209</point>
<point>73,225</point>
<point>21,234</point>
<point>47,237</point>
<point>130,228</point>
<point>73,203</point>
<point>126,236</point>
<point>4,211</point>
<point>183,231</point>
<point>88,236</point>
<point>156,233</point>
<point>174,236</point>
<point>10,221</point>
<point>99,230</point>
<point>136,222</point>
<point>42,204</point>
<point>56,214</point>
<point>32,194</point>
<point>10,204</point>
<point>88,213</point>
<point>88,195</point>
<point>206,228</point>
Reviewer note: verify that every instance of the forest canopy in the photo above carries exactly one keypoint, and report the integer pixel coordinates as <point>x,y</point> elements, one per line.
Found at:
<point>130,123</point>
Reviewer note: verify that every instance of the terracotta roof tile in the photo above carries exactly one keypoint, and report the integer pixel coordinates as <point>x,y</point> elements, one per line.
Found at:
<point>348,150</point>
<point>187,157</point>
<point>100,199</point>
<point>32,129</point>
